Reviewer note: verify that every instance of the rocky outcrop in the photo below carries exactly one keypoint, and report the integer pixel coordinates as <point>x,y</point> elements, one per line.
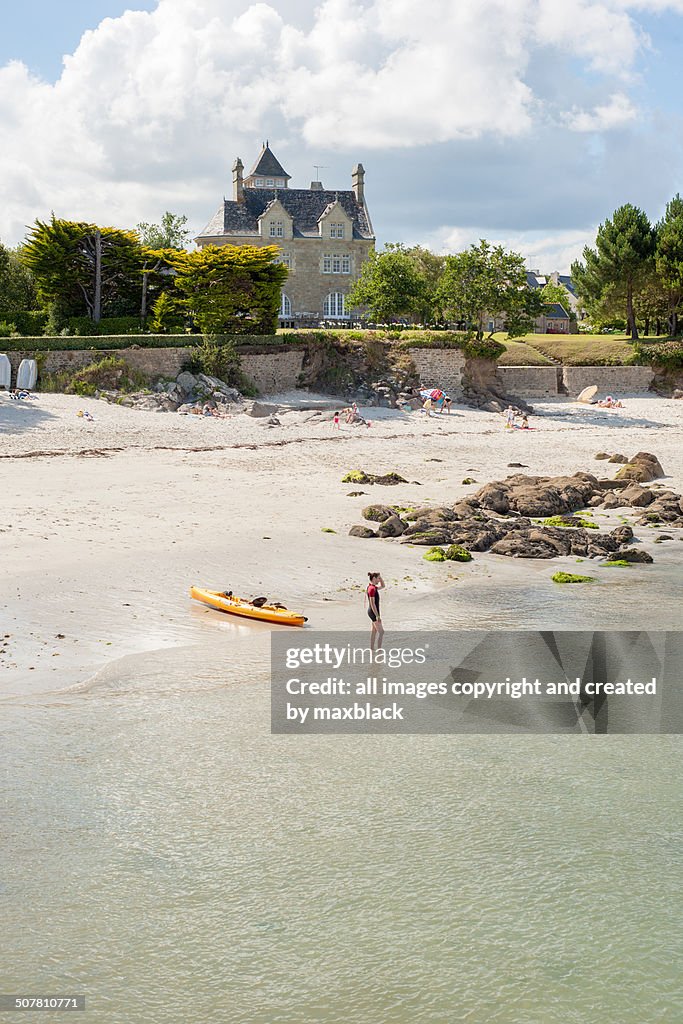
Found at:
<point>535,517</point>
<point>184,394</point>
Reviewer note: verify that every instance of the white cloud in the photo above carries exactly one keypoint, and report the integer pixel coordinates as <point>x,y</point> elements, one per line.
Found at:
<point>543,252</point>
<point>151,108</point>
<point>616,112</point>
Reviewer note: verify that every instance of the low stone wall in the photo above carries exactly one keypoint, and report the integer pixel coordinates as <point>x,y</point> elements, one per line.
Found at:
<point>611,380</point>
<point>155,362</point>
<point>529,381</point>
<point>552,381</point>
<point>274,369</point>
<point>440,368</point>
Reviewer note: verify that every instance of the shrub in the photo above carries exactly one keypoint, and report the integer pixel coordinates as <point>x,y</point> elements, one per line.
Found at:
<point>110,373</point>
<point>6,329</point>
<point>30,321</point>
<point>217,357</point>
<point>668,354</point>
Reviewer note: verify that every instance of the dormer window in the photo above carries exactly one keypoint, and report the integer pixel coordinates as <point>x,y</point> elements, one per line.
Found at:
<point>336,230</point>
<point>279,183</point>
<point>277,228</point>
<point>258,182</point>
<point>269,182</point>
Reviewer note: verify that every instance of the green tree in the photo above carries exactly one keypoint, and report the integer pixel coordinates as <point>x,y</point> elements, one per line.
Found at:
<point>397,282</point>
<point>669,259</point>
<point>552,293</point>
<point>168,317</point>
<point>612,272</point>
<point>82,268</point>
<point>486,282</point>
<point>17,286</point>
<point>231,289</point>
<point>172,233</point>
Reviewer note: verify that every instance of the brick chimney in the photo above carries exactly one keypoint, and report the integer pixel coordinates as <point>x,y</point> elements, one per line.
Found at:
<point>237,181</point>
<point>358,179</point>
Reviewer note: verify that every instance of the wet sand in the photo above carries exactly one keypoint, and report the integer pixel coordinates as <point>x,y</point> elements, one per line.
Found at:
<point>105,525</point>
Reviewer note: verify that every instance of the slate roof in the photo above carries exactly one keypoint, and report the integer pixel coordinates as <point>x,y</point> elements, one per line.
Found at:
<point>267,165</point>
<point>305,207</point>
<point>555,311</point>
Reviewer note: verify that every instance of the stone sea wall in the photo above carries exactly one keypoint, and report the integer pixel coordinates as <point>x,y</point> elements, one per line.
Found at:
<point>554,381</point>
<point>276,369</point>
<point>440,368</point>
<point>279,368</point>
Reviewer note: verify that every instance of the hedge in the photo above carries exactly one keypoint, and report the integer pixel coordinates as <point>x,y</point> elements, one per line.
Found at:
<point>59,343</point>
<point>84,327</point>
<point>485,349</point>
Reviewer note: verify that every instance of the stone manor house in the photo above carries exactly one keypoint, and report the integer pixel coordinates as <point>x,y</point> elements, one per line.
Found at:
<point>324,235</point>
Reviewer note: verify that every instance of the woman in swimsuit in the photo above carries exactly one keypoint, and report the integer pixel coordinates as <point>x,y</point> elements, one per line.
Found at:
<point>372,593</point>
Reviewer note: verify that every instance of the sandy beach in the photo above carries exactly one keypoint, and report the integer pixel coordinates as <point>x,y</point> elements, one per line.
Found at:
<point>105,525</point>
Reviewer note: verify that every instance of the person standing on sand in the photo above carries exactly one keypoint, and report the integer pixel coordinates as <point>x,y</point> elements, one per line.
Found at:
<point>509,418</point>
<point>336,421</point>
<point>372,594</point>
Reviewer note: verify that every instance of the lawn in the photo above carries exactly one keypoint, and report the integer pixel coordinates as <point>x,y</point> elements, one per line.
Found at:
<point>518,353</point>
<point>572,349</point>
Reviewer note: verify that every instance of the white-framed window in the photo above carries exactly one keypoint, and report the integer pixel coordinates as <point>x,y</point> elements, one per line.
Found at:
<point>286,259</point>
<point>334,306</point>
<point>285,307</point>
<point>269,182</point>
<point>277,228</point>
<point>259,181</point>
<point>279,182</point>
<point>336,264</point>
<point>336,230</point>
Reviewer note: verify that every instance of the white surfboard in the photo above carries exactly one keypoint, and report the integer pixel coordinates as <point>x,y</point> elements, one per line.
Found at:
<point>5,372</point>
<point>27,374</point>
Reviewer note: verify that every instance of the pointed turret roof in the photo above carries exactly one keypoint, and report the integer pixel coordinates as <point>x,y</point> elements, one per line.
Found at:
<point>267,165</point>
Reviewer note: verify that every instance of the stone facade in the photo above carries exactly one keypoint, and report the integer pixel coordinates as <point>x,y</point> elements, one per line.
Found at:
<point>324,236</point>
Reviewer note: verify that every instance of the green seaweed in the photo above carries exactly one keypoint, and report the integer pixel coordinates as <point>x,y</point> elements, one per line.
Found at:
<point>570,522</point>
<point>434,555</point>
<point>457,553</point>
<point>327,529</point>
<point>569,577</point>
<point>620,562</point>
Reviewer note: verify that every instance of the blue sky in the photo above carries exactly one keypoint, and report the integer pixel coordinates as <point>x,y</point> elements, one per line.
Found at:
<point>523,121</point>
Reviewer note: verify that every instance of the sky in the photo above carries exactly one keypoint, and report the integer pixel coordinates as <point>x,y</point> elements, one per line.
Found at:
<point>526,122</point>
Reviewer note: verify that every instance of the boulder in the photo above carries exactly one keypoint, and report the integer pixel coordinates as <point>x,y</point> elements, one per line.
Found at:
<point>614,499</point>
<point>636,555</point>
<point>618,458</point>
<point>362,531</point>
<point>637,496</point>
<point>186,382</point>
<point>392,527</point>
<point>641,468</point>
<point>602,455</point>
<point>259,409</point>
<point>377,513</point>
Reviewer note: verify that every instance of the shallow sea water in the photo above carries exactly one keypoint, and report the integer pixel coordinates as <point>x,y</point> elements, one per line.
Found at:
<point>166,855</point>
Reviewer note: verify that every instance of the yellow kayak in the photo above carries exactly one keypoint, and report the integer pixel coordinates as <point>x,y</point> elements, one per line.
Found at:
<point>237,606</point>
